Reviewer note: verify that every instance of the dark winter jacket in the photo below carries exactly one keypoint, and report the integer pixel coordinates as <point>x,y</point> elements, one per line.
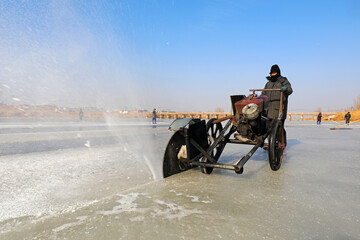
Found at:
<point>274,96</point>
<point>347,116</point>
<point>319,117</point>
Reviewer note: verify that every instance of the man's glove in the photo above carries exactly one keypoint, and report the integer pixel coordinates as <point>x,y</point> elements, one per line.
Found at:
<point>283,89</point>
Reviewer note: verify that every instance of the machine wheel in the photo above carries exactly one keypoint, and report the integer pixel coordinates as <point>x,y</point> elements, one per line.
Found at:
<point>172,164</point>
<point>213,131</point>
<point>276,145</point>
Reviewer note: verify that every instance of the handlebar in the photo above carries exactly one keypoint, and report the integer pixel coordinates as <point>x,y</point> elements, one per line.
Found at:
<point>257,90</point>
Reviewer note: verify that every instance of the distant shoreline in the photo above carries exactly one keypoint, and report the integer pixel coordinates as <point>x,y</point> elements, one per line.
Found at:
<point>52,112</point>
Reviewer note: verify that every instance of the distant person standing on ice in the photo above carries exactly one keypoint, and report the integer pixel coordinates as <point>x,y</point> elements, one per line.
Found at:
<point>276,81</point>
<point>81,114</point>
<point>347,118</point>
<point>319,118</point>
<point>154,116</point>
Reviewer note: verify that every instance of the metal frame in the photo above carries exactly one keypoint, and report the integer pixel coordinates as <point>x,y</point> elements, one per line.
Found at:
<point>238,166</point>
<point>224,137</point>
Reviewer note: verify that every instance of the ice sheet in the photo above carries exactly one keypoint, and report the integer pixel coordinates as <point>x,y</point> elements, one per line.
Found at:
<point>315,194</point>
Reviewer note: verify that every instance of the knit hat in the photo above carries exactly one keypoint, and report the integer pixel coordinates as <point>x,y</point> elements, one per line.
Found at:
<point>275,69</point>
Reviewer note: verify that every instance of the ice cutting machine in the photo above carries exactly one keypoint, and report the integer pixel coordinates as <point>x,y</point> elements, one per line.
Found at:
<point>197,143</point>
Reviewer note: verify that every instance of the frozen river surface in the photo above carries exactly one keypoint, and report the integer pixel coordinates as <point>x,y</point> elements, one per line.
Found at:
<point>102,180</point>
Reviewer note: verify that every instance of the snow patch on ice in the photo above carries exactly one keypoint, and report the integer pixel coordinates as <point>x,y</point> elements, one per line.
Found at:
<point>172,210</point>
<point>127,204</point>
<point>194,198</point>
<point>207,201</point>
<point>80,219</point>
<point>160,208</point>
<point>137,218</point>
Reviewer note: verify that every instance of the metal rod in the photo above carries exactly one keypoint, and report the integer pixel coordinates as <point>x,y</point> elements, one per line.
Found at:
<point>214,165</point>
<point>222,119</point>
<point>281,106</point>
<point>241,142</point>
<point>245,158</point>
<point>196,158</point>
<point>219,138</point>
<point>265,90</point>
<point>205,153</point>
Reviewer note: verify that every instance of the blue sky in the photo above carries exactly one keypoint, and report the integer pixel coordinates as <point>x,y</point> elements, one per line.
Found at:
<point>177,55</point>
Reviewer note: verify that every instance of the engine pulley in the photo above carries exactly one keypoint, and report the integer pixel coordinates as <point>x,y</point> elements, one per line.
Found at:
<point>251,111</point>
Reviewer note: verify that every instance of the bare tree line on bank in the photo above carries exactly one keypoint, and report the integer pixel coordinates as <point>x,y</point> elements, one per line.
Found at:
<point>354,107</point>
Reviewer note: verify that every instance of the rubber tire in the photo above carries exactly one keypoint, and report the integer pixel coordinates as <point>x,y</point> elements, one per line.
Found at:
<point>215,131</point>
<point>276,144</point>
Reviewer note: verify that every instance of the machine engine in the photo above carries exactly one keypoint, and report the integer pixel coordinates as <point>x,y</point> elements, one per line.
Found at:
<point>248,117</point>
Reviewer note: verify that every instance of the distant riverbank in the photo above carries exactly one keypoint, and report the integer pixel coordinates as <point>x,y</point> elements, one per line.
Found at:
<point>24,111</point>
